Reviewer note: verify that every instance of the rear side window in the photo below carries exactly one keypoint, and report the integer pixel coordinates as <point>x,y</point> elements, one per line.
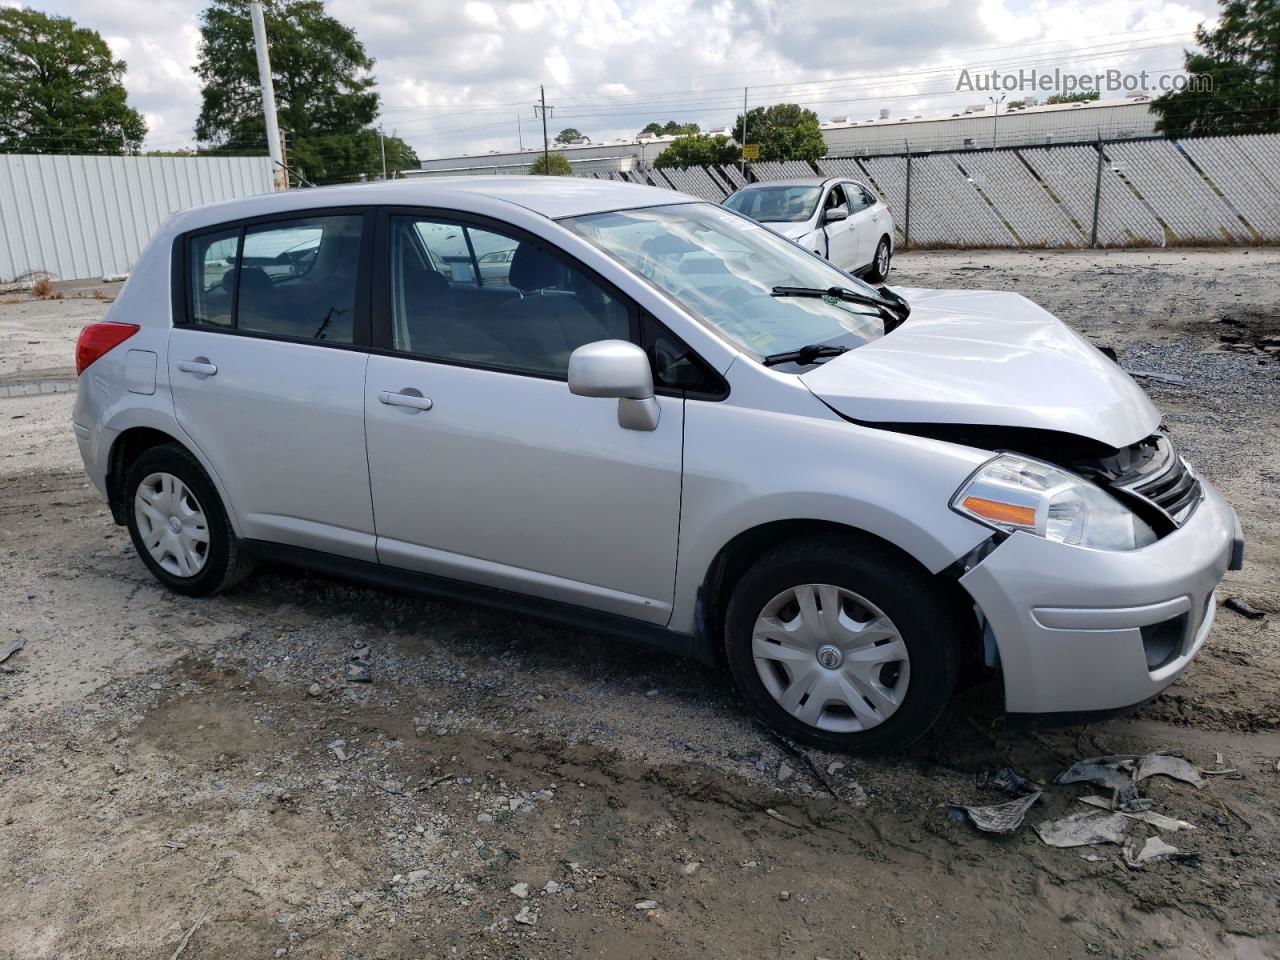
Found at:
<point>213,277</point>
<point>293,278</point>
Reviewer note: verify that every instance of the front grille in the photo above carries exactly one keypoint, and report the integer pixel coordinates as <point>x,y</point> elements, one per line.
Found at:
<point>1165,481</point>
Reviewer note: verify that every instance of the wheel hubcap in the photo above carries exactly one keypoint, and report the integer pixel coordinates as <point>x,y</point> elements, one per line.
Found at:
<point>831,658</point>
<point>171,524</point>
<point>882,262</point>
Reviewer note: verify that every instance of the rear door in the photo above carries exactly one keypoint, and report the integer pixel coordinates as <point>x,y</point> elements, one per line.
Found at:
<point>267,373</point>
<point>864,224</point>
<point>484,467</point>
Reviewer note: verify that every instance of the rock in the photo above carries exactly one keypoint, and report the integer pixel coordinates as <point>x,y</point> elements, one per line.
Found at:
<point>520,890</point>
<point>651,693</point>
<point>784,895</point>
<point>314,690</point>
<point>689,869</point>
<point>418,876</point>
<point>834,768</point>
<point>393,787</point>
<point>647,905</point>
<point>785,773</point>
<point>528,915</point>
<point>358,671</point>
<point>552,887</point>
<point>484,818</point>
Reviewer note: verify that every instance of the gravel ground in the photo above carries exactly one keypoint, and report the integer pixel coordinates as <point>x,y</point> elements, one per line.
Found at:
<point>199,776</point>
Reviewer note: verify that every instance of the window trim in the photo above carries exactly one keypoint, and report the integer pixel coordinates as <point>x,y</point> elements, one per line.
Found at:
<point>361,321</point>
<point>651,328</point>
<point>382,340</point>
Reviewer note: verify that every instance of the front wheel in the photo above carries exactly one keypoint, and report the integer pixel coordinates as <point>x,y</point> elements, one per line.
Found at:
<point>878,272</point>
<point>842,645</point>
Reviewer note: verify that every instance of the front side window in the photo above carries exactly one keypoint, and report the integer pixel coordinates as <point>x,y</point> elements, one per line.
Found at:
<point>482,297</point>
<point>294,279</point>
<point>724,269</point>
<point>776,204</point>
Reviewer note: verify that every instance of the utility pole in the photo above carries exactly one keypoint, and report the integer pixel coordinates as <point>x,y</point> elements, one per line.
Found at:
<point>520,132</point>
<point>744,133</point>
<point>278,172</point>
<point>542,108</point>
<point>995,121</point>
<point>382,148</point>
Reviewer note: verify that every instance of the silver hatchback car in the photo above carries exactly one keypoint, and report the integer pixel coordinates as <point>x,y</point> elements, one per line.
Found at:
<point>627,410</point>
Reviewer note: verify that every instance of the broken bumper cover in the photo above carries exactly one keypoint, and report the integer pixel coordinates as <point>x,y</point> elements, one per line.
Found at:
<point>1089,632</point>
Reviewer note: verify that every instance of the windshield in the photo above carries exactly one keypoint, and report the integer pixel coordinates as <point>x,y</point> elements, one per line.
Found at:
<point>777,204</point>
<point>723,268</point>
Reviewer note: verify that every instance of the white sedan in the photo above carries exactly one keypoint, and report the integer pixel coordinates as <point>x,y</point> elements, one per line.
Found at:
<point>840,220</point>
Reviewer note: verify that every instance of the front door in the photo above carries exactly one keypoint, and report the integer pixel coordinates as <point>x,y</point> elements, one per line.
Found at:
<point>484,468</point>
<point>864,225</point>
<point>842,249</point>
<point>268,383</point>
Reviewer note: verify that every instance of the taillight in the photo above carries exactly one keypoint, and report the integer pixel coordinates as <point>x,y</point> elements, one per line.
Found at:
<point>97,338</point>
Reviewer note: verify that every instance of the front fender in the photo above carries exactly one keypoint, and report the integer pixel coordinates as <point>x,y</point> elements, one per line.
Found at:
<point>744,468</point>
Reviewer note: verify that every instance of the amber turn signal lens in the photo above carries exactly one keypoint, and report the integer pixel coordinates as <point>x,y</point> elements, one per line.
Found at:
<point>1001,512</point>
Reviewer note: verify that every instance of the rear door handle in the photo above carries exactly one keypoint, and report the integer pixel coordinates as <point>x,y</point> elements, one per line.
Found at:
<point>200,366</point>
<point>414,401</point>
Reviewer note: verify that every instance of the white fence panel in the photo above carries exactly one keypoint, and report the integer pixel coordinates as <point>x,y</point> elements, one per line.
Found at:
<point>1178,195</point>
<point>947,211</point>
<point>1020,199</point>
<point>1228,163</point>
<point>1071,173</point>
<point>693,180</point>
<point>781,170</point>
<point>84,216</point>
<point>887,176</point>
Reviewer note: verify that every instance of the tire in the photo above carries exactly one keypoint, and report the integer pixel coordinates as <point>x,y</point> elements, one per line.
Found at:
<point>220,561</point>
<point>878,271</point>
<point>871,583</point>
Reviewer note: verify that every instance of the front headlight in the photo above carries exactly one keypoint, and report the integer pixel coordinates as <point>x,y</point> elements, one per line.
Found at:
<point>1014,493</point>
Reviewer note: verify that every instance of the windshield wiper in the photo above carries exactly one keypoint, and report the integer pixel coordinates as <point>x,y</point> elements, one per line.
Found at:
<point>894,310</point>
<point>804,355</point>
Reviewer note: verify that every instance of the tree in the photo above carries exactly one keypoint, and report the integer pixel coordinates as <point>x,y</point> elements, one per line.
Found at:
<point>60,89</point>
<point>1073,97</point>
<point>1238,74</point>
<point>784,131</point>
<point>1015,104</point>
<point>550,165</point>
<point>670,129</point>
<point>323,82</point>
<point>699,149</point>
<point>568,135</point>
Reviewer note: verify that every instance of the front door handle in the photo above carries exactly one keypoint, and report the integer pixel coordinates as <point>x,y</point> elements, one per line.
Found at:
<point>200,366</point>
<point>413,400</point>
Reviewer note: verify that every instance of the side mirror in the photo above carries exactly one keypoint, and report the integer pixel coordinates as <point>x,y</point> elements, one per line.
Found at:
<point>837,213</point>
<point>616,368</point>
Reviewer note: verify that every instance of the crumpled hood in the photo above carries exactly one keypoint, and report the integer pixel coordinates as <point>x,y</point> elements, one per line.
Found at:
<point>991,358</point>
<point>792,231</point>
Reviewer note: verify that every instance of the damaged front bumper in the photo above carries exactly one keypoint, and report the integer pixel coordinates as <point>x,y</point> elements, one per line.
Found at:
<point>1084,632</point>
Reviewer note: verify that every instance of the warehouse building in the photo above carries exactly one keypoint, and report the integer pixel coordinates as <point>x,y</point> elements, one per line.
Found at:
<point>979,125</point>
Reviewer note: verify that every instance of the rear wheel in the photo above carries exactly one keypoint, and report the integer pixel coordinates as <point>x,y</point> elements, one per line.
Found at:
<point>842,645</point>
<point>178,524</point>
<point>878,272</point>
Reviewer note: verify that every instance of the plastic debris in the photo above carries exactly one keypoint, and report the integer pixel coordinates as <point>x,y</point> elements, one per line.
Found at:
<point>1157,820</point>
<point>1084,829</point>
<point>1155,850</point>
<point>1244,608</point>
<point>1157,376</point>
<point>1008,780</point>
<point>1159,765</point>
<point>10,647</point>
<point>996,818</point>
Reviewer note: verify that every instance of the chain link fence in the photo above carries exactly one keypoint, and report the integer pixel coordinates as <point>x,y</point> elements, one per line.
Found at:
<point>1124,193</point>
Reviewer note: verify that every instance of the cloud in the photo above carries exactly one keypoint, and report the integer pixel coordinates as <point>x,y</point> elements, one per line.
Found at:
<point>455,77</point>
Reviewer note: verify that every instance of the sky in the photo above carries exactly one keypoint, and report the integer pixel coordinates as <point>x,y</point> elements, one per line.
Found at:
<point>462,77</point>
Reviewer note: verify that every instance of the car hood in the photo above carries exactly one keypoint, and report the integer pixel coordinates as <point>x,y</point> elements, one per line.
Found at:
<point>983,357</point>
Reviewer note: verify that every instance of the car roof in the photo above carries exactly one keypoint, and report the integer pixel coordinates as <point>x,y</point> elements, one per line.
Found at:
<point>793,182</point>
<point>552,197</point>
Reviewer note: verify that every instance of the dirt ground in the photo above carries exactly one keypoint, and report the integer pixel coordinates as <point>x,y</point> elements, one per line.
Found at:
<point>195,779</point>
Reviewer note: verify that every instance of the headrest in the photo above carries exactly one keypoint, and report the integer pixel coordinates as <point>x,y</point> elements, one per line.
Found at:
<point>534,269</point>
